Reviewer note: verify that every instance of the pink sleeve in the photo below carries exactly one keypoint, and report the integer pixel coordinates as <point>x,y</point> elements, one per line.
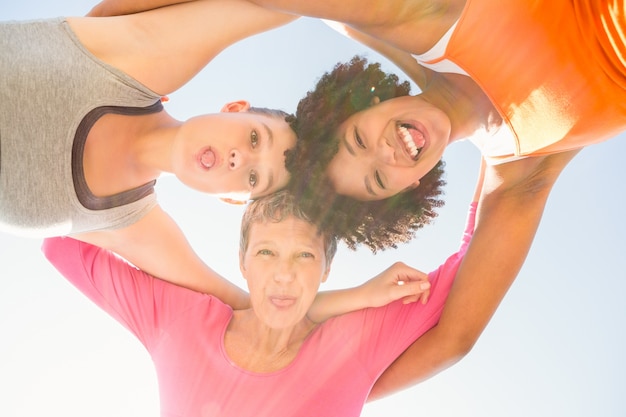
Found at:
<point>141,303</point>
<point>389,330</point>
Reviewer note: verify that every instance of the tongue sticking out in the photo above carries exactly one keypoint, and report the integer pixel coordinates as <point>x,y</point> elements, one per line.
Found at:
<point>208,159</point>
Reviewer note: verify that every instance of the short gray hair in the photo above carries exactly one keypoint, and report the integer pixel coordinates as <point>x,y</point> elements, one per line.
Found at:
<point>276,208</point>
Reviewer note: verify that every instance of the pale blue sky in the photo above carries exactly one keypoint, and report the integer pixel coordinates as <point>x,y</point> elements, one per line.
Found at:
<point>554,348</point>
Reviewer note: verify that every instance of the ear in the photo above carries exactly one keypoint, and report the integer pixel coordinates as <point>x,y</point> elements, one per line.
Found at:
<point>242,267</point>
<point>325,276</point>
<point>412,186</point>
<point>233,201</point>
<point>236,106</point>
<point>374,101</point>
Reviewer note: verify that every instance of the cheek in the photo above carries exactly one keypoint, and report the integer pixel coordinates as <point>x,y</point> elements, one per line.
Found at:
<point>401,178</point>
<point>343,175</point>
<point>443,124</point>
<point>311,287</point>
<point>257,297</point>
<point>234,183</point>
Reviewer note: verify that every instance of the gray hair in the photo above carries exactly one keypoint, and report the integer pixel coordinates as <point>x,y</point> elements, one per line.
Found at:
<point>276,208</point>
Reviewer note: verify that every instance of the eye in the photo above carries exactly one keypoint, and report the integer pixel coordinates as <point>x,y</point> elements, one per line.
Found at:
<point>264,252</point>
<point>254,138</point>
<point>357,139</point>
<point>306,255</point>
<point>379,180</point>
<point>252,178</point>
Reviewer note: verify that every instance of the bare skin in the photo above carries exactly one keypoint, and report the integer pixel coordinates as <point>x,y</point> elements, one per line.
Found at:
<point>284,265</point>
<point>494,258</point>
<point>155,243</point>
<point>485,275</point>
<point>143,46</point>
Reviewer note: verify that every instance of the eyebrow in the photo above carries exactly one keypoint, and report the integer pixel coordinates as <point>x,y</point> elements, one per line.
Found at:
<point>348,146</point>
<point>368,186</point>
<point>269,144</point>
<point>366,180</point>
<point>270,135</point>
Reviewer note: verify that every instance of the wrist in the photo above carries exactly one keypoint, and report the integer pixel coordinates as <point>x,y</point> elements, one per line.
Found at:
<point>362,297</point>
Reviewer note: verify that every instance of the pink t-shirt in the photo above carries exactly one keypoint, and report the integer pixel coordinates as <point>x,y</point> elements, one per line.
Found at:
<point>184,332</point>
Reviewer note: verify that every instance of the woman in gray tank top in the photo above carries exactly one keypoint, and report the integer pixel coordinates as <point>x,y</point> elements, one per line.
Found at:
<point>84,134</point>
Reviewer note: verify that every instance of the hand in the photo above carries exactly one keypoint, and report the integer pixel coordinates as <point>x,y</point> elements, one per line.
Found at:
<point>399,281</point>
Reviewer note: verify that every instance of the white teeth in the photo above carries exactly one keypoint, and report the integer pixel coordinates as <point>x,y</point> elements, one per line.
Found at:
<point>408,141</point>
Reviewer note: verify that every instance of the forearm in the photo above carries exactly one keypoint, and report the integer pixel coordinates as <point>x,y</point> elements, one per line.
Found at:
<point>156,245</point>
<point>328,304</point>
<point>181,267</point>
<point>123,7</point>
<point>191,34</point>
<point>398,282</point>
<point>469,307</point>
<point>508,218</point>
<point>363,12</point>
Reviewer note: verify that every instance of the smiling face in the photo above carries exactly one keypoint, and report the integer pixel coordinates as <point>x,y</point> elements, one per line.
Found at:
<point>284,264</point>
<point>388,147</point>
<point>235,153</point>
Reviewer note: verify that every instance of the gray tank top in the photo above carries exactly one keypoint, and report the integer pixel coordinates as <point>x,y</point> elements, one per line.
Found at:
<point>52,91</point>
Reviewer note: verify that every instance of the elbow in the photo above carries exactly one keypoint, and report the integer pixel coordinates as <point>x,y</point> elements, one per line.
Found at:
<point>458,345</point>
<point>462,347</point>
<point>454,352</point>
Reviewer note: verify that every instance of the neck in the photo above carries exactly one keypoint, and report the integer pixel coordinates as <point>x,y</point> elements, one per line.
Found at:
<point>123,152</point>
<point>467,106</point>
<point>152,146</point>
<point>254,346</point>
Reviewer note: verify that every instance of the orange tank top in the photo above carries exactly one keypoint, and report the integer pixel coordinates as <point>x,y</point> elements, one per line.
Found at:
<point>555,70</point>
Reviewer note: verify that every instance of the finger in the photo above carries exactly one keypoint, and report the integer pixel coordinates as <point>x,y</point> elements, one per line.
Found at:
<point>416,289</point>
<point>414,276</point>
<point>410,299</point>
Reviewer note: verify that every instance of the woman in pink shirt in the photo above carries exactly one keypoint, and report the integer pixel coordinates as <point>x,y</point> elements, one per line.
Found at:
<point>270,359</point>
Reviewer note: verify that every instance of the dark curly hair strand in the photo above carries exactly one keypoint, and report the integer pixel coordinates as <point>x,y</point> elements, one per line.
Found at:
<point>347,89</point>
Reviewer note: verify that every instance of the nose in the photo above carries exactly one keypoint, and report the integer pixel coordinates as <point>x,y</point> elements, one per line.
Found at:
<point>385,152</point>
<point>235,159</point>
<point>284,272</point>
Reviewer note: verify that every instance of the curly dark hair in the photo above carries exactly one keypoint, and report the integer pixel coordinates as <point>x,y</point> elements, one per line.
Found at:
<point>349,88</point>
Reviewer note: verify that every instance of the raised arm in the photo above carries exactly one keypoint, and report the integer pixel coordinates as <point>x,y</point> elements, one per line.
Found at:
<point>495,255</point>
<point>402,59</point>
<point>165,47</point>
<point>362,12</point>
<point>156,245</point>
<point>400,281</point>
<point>122,7</point>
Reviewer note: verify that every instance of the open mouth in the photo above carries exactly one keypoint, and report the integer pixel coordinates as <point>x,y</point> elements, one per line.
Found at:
<point>413,139</point>
<point>208,158</point>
